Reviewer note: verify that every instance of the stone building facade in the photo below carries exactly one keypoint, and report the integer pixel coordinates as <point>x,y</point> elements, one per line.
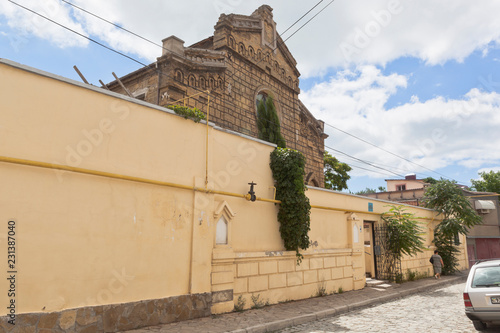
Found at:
<point>244,61</point>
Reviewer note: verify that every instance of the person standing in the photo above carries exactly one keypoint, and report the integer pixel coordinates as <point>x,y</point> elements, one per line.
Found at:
<point>437,264</point>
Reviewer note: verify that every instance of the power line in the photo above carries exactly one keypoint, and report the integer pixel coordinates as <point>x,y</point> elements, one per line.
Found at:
<point>116,25</point>
<point>294,23</point>
<point>161,46</point>
<point>148,66</point>
<point>283,41</point>
<point>362,161</point>
<point>387,151</point>
<point>79,34</point>
<point>328,4</point>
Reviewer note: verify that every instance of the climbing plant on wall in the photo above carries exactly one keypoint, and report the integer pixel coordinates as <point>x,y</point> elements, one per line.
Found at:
<point>268,122</point>
<point>287,166</point>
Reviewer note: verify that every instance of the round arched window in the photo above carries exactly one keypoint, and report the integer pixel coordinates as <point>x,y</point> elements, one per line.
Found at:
<point>268,120</point>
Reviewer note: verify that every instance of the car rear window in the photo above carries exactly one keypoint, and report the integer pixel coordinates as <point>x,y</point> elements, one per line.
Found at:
<point>486,277</point>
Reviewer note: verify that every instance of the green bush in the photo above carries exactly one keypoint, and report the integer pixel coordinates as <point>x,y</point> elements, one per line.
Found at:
<point>193,113</point>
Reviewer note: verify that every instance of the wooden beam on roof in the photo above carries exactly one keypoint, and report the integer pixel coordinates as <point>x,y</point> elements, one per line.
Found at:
<point>121,84</point>
<point>81,75</point>
<point>103,84</point>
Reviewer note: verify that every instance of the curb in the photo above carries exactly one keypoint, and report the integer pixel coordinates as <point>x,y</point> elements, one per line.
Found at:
<point>399,291</point>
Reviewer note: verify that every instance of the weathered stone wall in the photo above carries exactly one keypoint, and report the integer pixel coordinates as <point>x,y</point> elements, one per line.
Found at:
<point>244,57</point>
<point>114,317</point>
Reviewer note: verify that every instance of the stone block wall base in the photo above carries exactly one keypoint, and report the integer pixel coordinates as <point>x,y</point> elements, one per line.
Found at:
<point>113,317</point>
<point>222,307</point>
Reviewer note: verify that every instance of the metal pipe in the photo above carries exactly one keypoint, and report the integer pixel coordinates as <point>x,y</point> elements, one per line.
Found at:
<point>206,150</point>
<point>45,165</point>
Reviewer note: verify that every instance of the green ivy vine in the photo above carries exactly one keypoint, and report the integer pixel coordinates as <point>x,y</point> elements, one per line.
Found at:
<point>193,113</point>
<point>287,166</point>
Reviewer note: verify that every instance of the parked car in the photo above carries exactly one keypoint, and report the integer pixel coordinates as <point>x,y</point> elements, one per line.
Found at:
<point>482,294</point>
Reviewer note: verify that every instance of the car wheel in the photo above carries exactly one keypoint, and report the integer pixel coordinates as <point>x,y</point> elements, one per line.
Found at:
<point>479,325</point>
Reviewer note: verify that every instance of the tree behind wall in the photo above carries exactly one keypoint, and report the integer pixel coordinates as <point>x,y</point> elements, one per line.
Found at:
<point>336,173</point>
<point>268,122</point>
<point>489,182</point>
<point>458,216</point>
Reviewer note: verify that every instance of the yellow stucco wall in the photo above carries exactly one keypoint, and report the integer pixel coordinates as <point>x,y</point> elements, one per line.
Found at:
<point>84,240</point>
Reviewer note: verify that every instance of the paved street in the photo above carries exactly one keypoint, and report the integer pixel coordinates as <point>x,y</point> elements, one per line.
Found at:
<point>440,310</point>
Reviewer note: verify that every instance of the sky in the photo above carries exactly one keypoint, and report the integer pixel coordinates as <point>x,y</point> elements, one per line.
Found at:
<point>403,86</point>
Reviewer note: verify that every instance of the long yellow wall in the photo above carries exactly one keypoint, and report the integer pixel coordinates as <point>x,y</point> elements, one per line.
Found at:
<point>87,240</point>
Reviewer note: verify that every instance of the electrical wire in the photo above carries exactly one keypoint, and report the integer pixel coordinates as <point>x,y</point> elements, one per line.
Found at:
<point>365,162</point>
<point>385,150</point>
<point>281,43</point>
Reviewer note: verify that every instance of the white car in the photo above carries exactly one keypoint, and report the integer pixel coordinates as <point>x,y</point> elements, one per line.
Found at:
<point>482,294</point>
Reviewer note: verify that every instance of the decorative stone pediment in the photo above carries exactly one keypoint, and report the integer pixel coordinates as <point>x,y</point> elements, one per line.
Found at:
<point>255,38</point>
<point>224,208</point>
<point>223,215</point>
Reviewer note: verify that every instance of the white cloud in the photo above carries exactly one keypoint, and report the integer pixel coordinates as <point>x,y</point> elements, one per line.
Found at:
<point>28,24</point>
<point>494,169</point>
<point>378,30</point>
<point>434,133</point>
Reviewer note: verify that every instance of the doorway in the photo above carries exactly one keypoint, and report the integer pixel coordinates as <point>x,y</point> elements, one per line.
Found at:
<point>368,249</point>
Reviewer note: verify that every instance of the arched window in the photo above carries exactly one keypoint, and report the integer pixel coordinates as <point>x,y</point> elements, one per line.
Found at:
<point>192,81</point>
<point>268,118</point>
<point>221,231</point>
<point>203,84</point>
<point>232,43</point>
<point>241,49</point>
<point>251,52</point>
<point>179,76</point>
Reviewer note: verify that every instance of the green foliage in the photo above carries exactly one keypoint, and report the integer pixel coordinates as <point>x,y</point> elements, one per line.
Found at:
<point>404,232</point>
<point>257,302</point>
<point>447,250</point>
<point>287,166</point>
<point>458,216</point>
<point>490,182</point>
<point>240,304</point>
<point>430,180</point>
<point>336,173</point>
<point>411,275</point>
<point>193,113</point>
<point>268,123</point>
<point>366,191</point>
<point>381,189</point>
<point>404,235</point>
<point>321,289</point>
<point>340,290</point>
<point>450,201</point>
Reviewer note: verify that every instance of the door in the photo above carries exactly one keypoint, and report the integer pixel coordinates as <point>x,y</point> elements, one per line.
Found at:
<point>368,246</point>
<point>387,264</point>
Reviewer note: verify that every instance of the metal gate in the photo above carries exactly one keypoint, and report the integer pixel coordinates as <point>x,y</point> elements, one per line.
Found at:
<point>388,266</point>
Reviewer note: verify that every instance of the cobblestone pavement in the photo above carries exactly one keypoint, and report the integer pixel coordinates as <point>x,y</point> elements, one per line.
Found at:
<point>440,310</point>
<point>342,309</point>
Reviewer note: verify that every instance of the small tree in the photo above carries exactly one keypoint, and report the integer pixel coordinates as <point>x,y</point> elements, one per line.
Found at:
<point>458,216</point>
<point>336,173</point>
<point>490,182</point>
<point>404,235</point>
<point>268,123</point>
